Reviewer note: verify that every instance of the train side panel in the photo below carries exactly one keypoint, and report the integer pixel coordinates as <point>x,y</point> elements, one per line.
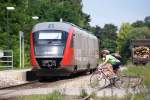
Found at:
<point>32,55</point>
<point>85,50</point>
<point>68,57</point>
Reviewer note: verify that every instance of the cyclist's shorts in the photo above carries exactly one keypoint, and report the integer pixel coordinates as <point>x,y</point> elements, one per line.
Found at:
<point>116,66</point>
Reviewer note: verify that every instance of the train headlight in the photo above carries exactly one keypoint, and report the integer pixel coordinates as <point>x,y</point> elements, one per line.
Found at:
<point>55,50</point>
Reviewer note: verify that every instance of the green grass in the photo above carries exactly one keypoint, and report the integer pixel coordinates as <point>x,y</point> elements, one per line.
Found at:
<point>83,93</point>
<point>53,96</point>
<point>134,70</point>
<point>143,72</point>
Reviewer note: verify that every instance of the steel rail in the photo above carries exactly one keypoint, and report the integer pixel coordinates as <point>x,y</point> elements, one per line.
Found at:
<point>19,85</point>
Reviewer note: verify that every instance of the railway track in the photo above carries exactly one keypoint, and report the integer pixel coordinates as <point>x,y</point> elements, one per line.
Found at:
<point>39,86</point>
<point>19,85</point>
<point>47,83</point>
<point>43,84</point>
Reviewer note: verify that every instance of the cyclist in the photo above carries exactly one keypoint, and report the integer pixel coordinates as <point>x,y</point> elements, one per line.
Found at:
<point>110,62</point>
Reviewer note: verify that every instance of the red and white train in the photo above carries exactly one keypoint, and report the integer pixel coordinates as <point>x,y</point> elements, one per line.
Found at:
<point>61,48</point>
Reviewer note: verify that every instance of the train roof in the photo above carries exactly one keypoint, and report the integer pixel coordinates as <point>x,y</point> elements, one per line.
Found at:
<point>51,26</point>
<point>65,26</point>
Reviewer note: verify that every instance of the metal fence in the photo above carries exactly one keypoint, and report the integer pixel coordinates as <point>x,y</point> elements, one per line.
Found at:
<point>6,58</point>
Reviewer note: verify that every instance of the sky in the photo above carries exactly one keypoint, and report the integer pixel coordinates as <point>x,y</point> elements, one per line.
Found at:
<point>116,11</point>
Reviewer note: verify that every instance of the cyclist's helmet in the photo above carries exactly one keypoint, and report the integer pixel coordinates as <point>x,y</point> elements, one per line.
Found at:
<point>105,51</point>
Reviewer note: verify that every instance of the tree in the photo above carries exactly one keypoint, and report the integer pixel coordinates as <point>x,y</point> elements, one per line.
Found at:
<point>147,21</point>
<point>139,33</point>
<point>108,37</point>
<point>123,34</point>
<point>53,10</point>
<point>138,23</point>
<point>17,19</point>
<point>110,30</point>
<point>122,41</point>
<point>97,30</point>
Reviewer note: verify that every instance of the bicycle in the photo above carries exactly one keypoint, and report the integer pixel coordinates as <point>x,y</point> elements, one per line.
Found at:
<point>102,78</point>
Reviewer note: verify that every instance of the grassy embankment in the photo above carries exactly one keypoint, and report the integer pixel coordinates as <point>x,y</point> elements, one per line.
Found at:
<point>143,72</point>
<point>53,96</point>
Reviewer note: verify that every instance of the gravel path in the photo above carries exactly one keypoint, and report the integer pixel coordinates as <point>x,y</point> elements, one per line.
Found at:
<point>5,82</point>
<point>12,77</point>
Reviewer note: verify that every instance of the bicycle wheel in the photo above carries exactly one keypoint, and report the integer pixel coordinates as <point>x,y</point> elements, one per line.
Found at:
<point>118,82</point>
<point>97,80</point>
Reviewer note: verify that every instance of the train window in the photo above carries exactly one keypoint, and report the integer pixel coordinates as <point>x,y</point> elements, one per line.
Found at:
<point>50,37</point>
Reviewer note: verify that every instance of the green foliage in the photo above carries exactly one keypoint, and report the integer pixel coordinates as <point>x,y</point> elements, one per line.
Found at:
<point>122,41</point>
<point>141,23</point>
<point>107,36</point>
<point>139,96</point>
<point>122,35</point>
<point>108,43</point>
<point>138,23</point>
<point>110,30</point>
<point>147,21</point>
<point>3,43</point>
<point>53,96</point>
<point>53,10</point>
<point>143,72</point>
<point>139,33</point>
<point>83,93</point>
<point>134,70</point>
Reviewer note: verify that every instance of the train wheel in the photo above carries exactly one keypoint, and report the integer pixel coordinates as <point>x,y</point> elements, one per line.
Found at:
<point>92,70</point>
<point>88,69</point>
<point>144,64</point>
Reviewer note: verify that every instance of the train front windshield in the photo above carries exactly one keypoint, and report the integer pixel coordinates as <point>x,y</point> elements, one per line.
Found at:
<point>49,43</point>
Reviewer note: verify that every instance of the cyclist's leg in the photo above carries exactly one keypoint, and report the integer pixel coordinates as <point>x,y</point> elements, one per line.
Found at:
<point>110,68</point>
<point>116,67</point>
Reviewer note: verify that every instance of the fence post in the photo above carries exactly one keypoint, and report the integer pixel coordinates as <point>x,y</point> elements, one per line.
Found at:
<point>12,59</point>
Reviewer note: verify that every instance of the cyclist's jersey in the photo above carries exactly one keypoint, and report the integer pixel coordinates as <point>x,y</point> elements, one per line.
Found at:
<point>111,59</point>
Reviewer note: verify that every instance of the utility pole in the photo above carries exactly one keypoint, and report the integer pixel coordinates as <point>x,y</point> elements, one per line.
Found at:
<point>7,25</point>
<point>23,50</point>
<point>21,43</point>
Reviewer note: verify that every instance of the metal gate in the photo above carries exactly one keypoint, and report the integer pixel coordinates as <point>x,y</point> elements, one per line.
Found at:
<point>6,58</point>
